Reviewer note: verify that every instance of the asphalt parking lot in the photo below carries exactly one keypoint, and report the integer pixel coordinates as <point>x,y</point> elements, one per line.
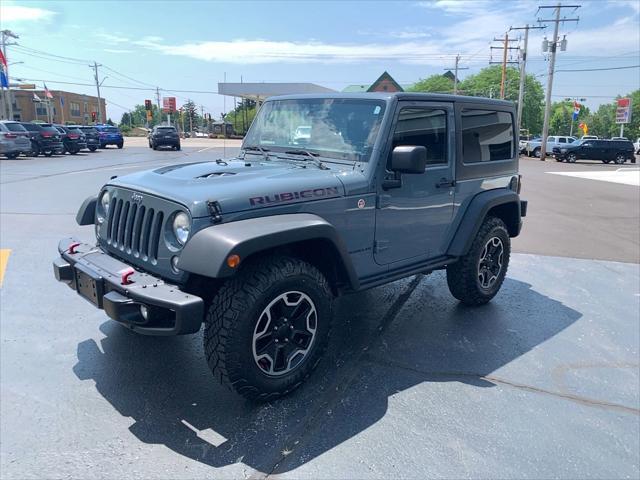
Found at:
<point>543,382</point>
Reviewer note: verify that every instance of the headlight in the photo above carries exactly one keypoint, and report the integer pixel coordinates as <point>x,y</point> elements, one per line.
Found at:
<point>181,227</point>
<point>103,206</point>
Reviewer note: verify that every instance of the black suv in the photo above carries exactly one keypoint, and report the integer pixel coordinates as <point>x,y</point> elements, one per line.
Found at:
<point>72,139</point>
<point>91,135</point>
<point>45,139</point>
<point>162,136</point>
<point>617,151</point>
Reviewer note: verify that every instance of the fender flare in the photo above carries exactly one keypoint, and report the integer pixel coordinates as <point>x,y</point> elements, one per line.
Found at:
<point>87,212</point>
<point>475,214</point>
<point>207,251</point>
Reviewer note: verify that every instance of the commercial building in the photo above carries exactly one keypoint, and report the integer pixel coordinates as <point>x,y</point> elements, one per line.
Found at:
<point>67,107</point>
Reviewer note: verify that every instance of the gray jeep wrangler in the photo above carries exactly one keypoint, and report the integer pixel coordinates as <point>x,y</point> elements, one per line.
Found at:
<point>330,194</point>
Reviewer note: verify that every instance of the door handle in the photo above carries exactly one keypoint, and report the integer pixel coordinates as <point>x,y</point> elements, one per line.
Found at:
<point>444,183</point>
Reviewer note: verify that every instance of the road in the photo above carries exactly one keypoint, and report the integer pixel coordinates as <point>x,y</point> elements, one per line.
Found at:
<point>543,382</point>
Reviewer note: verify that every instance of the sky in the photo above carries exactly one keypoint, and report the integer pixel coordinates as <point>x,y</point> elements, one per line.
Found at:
<point>186,48</point>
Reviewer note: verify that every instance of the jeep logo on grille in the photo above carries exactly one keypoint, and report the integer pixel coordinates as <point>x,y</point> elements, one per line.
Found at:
<point>136,198</point>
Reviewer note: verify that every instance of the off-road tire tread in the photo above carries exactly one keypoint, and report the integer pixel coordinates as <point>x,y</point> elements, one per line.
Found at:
<point>233,298</point>
<point>461,276</point>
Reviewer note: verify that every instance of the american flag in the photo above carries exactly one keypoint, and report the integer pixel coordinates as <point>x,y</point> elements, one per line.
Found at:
<point>4,78</point>
<point>47,93</point>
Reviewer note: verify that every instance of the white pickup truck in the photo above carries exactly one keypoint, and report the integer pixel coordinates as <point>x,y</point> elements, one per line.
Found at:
<point>534,147</point>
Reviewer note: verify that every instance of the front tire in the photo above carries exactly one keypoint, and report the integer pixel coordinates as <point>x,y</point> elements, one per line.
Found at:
<point>571,158</point>
<point>267,328</point>
<point>537,153</point>
<point>477,276</point>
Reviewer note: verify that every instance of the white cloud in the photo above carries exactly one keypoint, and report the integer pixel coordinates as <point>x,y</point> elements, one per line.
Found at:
<point>409,34</point>
<point>112,38</point>
<point>17,13</point>
<point>116,50</point>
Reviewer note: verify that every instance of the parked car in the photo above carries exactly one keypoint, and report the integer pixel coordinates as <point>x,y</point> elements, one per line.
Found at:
<point>45,139</point>
<point>91,135</point>
<point>534,147</point>
<point>636,146</point>
<point>522,143</point>
<point>14,139</point>
<point>164,136</point>
<point>73,139</point>
<point>109,135</point>
<point>257,250</point>
<point>618,151</point>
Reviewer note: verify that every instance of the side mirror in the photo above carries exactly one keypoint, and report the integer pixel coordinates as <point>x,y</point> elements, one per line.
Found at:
<point>409,159</point>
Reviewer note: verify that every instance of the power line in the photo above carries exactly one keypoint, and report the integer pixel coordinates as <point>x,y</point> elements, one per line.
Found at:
<point>600,69</point>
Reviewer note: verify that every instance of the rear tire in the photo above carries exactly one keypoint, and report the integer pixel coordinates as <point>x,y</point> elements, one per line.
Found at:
<point>12,156</point>
<point>244,352</point>
<point>177,147</point>
<point>120,145</point>
<point>477,276</point>
<point>49,153</point>
<point>537,153</point>
<point>93,149</point>
<point>620,159</point>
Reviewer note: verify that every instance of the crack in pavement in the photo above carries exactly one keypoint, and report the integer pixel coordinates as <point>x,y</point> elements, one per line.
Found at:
<point>343,381</point>
<point>591,402</point>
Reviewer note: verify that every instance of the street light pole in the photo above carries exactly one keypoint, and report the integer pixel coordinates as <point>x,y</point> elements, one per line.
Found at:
<point>4,34</point>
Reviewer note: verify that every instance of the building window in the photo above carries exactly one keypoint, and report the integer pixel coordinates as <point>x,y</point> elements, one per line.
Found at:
<point>425,127</point>
<point>86,107</point>
<point>487,135</point>
<point>41,109</point>
<point>75,109</point>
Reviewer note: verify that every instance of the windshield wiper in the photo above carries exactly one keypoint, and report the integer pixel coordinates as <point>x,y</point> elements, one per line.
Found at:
<point>256,148</point>
<point>310,155</point>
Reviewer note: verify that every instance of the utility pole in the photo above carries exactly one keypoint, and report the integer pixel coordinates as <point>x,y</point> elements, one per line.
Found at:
<point>505,48</point>
<point>4,34</point>
<point>552,46</point>
<point>98,83</point>
<point>455,75</point>
<point>523,68</point>
<point>158,102</point>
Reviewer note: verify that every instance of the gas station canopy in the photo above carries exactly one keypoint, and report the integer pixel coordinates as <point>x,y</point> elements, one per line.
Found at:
<point>261,91</point>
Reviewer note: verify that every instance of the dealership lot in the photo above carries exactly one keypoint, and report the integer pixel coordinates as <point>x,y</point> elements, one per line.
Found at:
<point>542,382</point>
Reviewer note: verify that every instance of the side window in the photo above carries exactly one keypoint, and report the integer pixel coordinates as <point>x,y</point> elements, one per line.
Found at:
<point>425,127</point>
<point>487,135</point>
<point>562,140</point>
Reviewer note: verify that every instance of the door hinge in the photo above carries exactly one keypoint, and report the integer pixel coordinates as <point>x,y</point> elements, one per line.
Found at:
<point>383,201</point>
<point>380,245</point>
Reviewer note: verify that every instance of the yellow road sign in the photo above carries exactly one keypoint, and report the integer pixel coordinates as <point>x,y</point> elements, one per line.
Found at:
<point>4,258</point>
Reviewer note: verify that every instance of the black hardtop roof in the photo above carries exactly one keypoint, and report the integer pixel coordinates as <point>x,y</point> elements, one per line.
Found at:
<point>407,96</point>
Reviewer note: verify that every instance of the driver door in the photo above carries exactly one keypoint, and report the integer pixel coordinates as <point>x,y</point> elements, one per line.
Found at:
<point>413,219</point>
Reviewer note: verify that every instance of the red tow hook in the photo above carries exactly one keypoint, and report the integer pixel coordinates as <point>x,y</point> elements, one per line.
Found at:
<point>73,246</point>
<point>125,276</point>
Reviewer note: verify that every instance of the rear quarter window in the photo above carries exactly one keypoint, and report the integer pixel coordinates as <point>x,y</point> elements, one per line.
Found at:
<point>487,135</point>
<point>14,127</point>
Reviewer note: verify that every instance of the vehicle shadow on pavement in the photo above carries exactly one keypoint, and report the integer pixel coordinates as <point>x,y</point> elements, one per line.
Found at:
<point>385,341</point>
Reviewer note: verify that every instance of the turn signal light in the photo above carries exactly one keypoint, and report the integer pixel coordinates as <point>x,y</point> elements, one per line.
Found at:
<point>233,261</point>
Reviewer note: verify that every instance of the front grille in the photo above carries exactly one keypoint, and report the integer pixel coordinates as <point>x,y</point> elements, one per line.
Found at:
<point>135,229</point>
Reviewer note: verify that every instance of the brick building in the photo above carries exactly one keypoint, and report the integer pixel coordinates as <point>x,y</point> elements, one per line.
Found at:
<point>67,107</point>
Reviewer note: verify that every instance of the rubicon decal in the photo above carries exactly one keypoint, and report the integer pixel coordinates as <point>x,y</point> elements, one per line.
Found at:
<point>288,196</point>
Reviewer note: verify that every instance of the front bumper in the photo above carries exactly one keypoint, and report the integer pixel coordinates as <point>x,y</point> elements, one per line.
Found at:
<point>97,277</point>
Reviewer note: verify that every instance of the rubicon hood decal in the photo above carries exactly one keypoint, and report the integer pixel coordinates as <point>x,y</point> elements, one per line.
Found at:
<point>289,196</point>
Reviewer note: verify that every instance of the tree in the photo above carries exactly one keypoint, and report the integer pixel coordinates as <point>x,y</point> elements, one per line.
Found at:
<point>603,121</point>
<point>110,122</point>
<point>434,83</point>
<point>126,119</point>
<point>486,83</point>
<point>242,116</point>
<point>190,116</point>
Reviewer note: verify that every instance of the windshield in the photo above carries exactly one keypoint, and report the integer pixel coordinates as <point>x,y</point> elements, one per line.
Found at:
<point>335,128</point>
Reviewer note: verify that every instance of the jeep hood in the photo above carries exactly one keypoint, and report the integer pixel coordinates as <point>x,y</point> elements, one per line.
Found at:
<point>238,185</point>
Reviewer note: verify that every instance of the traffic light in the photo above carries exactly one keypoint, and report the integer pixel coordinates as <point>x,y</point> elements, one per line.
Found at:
<point>93,117</point>
<point>147,105</point>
